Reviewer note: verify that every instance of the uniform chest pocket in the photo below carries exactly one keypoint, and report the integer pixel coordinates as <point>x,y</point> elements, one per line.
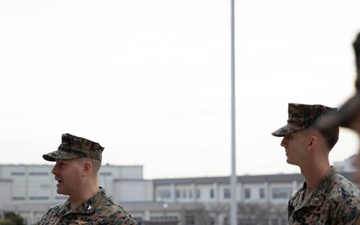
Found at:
<point>309,216</point>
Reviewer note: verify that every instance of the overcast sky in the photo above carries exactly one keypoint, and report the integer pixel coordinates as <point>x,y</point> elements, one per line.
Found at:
<point>150,79</point>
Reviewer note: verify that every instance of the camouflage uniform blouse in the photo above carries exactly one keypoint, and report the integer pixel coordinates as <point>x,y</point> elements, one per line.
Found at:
<point>336,201</point>
<point>99,209</point>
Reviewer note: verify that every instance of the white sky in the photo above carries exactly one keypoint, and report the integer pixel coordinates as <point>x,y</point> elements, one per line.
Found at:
<point>150,79</point>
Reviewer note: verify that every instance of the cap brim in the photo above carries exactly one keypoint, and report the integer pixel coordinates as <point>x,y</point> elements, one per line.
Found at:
<point>344,115</point>
<point>287,129</point>
<point>58,154</point>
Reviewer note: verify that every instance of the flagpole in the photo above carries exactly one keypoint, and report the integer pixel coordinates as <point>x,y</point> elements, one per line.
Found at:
<point>233,181</point>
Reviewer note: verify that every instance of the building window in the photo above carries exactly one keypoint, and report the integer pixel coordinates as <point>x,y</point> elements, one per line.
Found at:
<point>17,173</point>
<point>183,193</point>
<point>212,193</point>
<point>262,193</point>
<point>247,193</point>
<point>190,220</point>
<point>105,174</point>
<point>38,173</point>
<point>18,198</point>
<point>39,198</point>
<point>198,193</point>
<point>164,193</point>
<point>227,193</point>
<point>164,219</point>
<point>61,197</point>
<point>282,193</point>
<point>44,186</point>
<point>211,220</point>
<point>138,220</point>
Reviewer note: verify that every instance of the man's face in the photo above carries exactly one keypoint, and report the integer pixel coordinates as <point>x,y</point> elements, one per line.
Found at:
<point>67,174</point>
<point>295,145</point>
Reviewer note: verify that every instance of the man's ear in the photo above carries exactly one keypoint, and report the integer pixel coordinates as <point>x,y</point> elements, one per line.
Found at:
<point>312,142</point>
<point>87,167</point>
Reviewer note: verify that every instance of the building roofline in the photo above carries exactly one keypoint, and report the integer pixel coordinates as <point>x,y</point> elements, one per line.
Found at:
<point>244,179</point>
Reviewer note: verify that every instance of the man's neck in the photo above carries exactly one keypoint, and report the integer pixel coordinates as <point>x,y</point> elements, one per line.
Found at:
<point>314,174</point>
<point>77,199</point>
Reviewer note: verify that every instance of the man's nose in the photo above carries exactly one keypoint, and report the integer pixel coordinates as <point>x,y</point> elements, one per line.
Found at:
<point>54,170</point>
<point>283,142</point>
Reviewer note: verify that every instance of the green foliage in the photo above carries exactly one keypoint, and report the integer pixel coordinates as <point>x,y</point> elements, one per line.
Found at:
<point>11,218</point>
<point>6,222</point>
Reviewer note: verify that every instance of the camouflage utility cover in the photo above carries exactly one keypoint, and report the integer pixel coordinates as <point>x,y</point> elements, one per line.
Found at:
<point>302,116</point>
<point>100,209</point>
<point>335,201</point>
<point>75,147</point>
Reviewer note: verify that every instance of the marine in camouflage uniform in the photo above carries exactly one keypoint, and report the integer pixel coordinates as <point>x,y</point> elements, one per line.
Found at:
<point>96,209</point>
<point>326,197</point>
<point>99,210</point>
<point>335,201</point>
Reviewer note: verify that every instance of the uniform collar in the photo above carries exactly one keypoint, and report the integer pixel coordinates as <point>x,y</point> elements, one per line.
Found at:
<point>317,196</point>
<point>86,207</point>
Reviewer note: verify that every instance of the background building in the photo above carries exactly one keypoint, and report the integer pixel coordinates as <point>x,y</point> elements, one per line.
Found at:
<point>30,190</point>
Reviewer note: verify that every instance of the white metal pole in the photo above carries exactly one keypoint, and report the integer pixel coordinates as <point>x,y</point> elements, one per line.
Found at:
<point>233,179</point>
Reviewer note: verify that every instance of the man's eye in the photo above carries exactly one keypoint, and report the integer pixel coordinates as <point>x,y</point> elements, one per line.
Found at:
<point>289,136</point>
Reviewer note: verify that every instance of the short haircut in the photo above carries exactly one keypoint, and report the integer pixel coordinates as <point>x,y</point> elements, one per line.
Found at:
<point>331,135</point>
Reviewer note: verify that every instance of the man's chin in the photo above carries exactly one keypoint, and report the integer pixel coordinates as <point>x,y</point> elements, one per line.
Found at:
<point>290,162</point>
<point>61,192</point>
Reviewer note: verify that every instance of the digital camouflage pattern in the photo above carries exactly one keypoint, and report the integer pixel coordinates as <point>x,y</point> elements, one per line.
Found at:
<point>302,116</point>
<point>99,210</point>
<point>74,147</point>
<point>336,201</point>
